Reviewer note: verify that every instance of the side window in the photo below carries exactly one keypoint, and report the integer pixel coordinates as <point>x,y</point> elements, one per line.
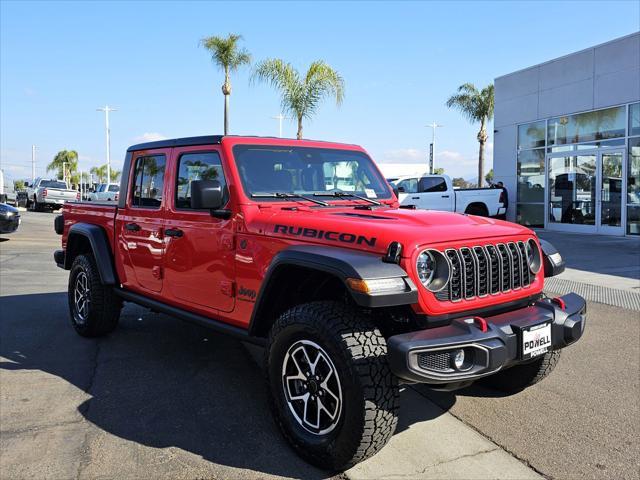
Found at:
<point>410,185</point>
<point>148,181</point>
<point>197,166</point>
<point>114,188</point>
<point>433,184</point>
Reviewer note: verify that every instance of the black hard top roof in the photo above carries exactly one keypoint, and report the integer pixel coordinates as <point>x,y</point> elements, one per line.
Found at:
<point>177,142</point>
<point>193,141</point>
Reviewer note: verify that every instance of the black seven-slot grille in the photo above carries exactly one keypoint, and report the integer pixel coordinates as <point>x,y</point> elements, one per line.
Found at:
<point>486,270</point>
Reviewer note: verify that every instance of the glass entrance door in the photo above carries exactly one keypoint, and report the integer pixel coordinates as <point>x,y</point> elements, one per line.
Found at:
<point>585,192</point>
<point>610,198</point>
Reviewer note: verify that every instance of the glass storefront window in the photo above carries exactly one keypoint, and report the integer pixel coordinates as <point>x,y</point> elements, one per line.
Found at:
<point>633,220</point>
<point>531,135</point>
<point>572,190</point>
<point>633,172</point>
<point>634,119</point>
<point>531,176</point>
<point>587,127</point>
<point>530,214</point>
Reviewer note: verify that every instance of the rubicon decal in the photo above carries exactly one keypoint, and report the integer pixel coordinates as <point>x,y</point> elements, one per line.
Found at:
<point>247,294</point>
<point>330,235</point>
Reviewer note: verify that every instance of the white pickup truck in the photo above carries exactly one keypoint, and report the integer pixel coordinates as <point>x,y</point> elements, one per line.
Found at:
<point>105,193</point>
<point>51,193</point>
<point>436,192</point>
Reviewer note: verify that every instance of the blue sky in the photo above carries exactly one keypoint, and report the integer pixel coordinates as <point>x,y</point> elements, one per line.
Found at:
<point>59,61</point>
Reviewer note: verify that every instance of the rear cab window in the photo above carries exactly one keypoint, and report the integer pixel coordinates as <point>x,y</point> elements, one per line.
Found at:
<point>433,184</point>
<point>148,181</point>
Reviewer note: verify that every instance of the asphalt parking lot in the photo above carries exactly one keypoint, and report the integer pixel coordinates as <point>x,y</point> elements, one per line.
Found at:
<point>163,399</point>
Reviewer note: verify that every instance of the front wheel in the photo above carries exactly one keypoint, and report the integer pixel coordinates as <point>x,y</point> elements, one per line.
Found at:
<point>332,392</point>
<point>93,307</point>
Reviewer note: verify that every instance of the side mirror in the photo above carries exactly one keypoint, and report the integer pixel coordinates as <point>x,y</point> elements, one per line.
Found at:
<point>552,260</point>
<point>400,189</point>
<point>206,194</point>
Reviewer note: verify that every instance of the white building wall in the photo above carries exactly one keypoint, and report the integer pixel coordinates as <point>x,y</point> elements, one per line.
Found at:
<point>602,76</point>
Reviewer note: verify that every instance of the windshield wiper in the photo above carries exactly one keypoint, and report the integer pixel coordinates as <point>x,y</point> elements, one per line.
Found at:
<point>288,195</point>
<point>346,194</point>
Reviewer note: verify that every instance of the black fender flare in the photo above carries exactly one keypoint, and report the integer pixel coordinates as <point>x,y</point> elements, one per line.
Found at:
<point>342,263</point>
<point>553,262</point>
<point>97,238</point>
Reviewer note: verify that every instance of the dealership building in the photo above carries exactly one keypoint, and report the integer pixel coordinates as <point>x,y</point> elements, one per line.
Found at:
<point>567,140</point>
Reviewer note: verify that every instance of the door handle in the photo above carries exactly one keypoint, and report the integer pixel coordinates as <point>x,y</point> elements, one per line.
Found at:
<point>132,227</point>
<point>415,198</point>
<point>445,196</point>
<point>173,232</point>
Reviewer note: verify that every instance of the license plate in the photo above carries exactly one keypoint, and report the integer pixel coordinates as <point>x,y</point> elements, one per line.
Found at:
<point>536,340</point>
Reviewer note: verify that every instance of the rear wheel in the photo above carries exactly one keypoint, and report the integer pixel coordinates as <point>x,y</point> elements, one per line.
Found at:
<point>516,379</point>
<point>93,307</point>
<point>332,392</point>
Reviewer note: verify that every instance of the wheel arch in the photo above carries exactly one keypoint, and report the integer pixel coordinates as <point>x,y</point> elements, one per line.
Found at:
<point>480,207</point>
<point>301,274</point>
<point>88,238</point>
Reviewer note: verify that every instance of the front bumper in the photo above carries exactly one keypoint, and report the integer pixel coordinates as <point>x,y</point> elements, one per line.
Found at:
<point>494,343</point>
<point>9,224</point>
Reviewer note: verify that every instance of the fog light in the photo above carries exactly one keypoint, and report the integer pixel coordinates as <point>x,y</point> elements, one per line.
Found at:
<point>458,358</point>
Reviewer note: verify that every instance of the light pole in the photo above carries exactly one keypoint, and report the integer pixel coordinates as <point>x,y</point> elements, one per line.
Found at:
<point>33,164</point>
<point>106,109</point>
<point>279,117</point>
<point>432,159</point>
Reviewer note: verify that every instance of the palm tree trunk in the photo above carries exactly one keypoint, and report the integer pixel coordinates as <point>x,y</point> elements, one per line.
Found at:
<point>482,139</point>
<point>226,91</point>
<point>299,135</point>
<point>226,114</point>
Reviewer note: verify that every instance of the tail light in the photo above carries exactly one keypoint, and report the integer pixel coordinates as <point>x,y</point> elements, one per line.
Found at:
<point>44,192</point>
<point>117,196</point>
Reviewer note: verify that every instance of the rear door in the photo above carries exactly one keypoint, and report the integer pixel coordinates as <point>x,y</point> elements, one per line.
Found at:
<point>200,249</point>
<point>139,228</point>
<point>434,194</point>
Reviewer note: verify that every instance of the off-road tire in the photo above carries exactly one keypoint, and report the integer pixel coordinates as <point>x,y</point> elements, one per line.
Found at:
<point>370,392</point>
<point>516,379</point>
<point>104,306</point>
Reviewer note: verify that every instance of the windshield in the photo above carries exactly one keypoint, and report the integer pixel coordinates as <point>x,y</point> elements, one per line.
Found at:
<point>305,171</point>
<point>53,184</point>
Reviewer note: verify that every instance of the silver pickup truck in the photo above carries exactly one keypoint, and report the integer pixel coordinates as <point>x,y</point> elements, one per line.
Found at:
<point>49,193</point>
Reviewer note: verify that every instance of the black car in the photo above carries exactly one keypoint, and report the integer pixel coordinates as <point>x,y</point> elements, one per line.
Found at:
<point>9,218</point>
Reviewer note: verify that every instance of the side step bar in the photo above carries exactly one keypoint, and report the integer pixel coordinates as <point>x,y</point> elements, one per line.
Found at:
<point>218,326</point>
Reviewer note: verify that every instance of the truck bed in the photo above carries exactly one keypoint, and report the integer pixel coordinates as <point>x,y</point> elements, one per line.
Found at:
<point>100,214</point>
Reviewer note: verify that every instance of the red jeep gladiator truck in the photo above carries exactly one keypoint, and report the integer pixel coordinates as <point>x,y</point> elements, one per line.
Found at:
<point>302,247</point>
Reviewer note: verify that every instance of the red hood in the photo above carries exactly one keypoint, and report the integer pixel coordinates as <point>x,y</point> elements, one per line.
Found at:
<point>373,230</point>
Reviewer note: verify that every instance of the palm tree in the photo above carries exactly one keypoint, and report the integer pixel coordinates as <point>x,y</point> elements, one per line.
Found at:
<point>226,54</point>
<point>301,96</point>
<point>477,106</point>
<point>101,173</point>
<point>68,157</point>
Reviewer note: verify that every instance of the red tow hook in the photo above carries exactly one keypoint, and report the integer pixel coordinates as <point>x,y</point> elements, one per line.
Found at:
<point>560,302</point>
<point>481,323</point>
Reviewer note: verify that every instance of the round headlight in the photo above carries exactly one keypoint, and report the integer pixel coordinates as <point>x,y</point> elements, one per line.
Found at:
<point>433,270</point>
<point>533,256</point>
<point>426,267</point>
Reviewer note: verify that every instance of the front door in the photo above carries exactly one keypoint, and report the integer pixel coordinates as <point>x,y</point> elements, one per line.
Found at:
<point>200,249</point>
<point>585,192</point>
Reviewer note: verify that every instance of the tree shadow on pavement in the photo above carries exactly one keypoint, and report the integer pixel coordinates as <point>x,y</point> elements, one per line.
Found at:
<point>159,382</point>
